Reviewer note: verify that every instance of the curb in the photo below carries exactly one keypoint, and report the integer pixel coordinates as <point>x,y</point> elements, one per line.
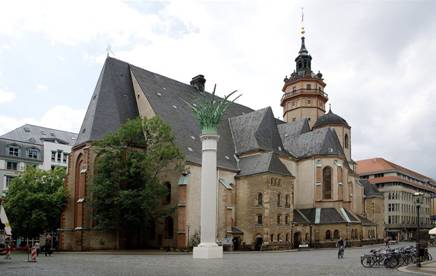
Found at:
<point>418,270</point>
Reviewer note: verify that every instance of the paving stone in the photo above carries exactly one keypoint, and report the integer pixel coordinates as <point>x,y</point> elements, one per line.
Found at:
<point>313,262</point>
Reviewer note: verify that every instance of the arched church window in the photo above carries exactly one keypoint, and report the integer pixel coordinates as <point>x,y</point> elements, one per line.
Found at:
<point>168,196</point>
<point>169,227</point>
<point>328,235</point>
<point>259,199</point>
<point>346,141</point>
<point>279,197</point>
<point>287,201</point>
<point>79,191</point>
<point>336,234</point>
<point>327,182</point>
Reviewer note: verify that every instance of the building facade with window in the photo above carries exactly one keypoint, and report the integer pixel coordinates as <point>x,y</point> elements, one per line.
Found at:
<point>280,182</point>
<point>398,184</point>
<point>34,145</point>
<point>14,157</point>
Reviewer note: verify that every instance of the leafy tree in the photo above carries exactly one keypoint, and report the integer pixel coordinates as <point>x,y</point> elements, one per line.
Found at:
<point>126,193</point>
<point>34,201</point>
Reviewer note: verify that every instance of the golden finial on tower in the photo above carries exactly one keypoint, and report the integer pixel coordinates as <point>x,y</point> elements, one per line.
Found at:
<point>302,21</point>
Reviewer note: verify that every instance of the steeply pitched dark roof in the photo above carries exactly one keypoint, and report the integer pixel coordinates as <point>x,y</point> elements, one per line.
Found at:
<point>262,163</point>
<point>299,217</point>
<point>365,221</point>
<point>169,100</point>
<point>317,142</point>
<point>309,213</point>
<point>330,215</point>
<point>112,103</point>
<point>256,130</point>
<point>241,129</point>
<point>370,190</point>
<point>327,216</point>
<point>351,216</point>
<point>38,134</point>
<point>294,128</point>
<point>330,119</point>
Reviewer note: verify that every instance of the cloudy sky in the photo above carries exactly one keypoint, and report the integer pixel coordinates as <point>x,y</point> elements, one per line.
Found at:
<point>378,59</point>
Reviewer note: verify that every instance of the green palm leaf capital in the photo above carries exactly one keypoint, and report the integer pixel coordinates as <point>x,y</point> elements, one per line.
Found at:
<point>209,112</point>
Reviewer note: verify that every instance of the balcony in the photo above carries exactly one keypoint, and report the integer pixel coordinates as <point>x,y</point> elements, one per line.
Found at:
<point>297,92</point>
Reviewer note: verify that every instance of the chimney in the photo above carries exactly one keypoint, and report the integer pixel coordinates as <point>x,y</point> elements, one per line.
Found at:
<point>198,82</point>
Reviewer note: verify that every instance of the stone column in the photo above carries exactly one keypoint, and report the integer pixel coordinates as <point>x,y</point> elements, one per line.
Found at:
<point>208,248</point>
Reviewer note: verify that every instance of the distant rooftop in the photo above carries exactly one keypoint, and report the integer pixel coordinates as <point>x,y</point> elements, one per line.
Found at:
<point>380,165</point>
<point>38,134</point>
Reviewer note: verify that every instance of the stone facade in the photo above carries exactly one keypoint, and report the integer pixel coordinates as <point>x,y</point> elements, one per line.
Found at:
<point>264,208</point>
<point>280,183</point>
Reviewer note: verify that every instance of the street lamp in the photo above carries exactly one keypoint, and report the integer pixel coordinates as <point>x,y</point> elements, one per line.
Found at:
<point>419,200</point>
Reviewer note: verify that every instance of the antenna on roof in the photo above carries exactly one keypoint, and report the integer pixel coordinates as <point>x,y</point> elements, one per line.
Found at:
<point>109,51</point>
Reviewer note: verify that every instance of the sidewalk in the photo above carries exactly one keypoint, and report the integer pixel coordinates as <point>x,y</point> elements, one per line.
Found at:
<point>427,268</point>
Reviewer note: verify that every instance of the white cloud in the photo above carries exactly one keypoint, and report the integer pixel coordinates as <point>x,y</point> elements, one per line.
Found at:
<point>58,117</point>
<point>41,87</point>
<point>6,96</point>
<point>379,78</point>
<point>70,23</point>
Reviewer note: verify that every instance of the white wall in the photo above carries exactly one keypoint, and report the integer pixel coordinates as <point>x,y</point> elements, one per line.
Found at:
<point>48,148</point>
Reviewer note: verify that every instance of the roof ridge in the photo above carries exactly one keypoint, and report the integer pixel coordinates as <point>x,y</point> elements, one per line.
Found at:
<point>302,215</point>
<point>48,128</point>
<point>183,83</point>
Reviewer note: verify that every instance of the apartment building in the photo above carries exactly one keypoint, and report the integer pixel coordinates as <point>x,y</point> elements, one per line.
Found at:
<point>398,185</point>
<point>32,145</point>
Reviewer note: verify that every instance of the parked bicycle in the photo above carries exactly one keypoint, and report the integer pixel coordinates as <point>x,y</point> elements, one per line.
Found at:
<point>393,257</point>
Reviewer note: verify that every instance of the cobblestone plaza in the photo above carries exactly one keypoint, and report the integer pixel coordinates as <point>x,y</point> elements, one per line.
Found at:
<point>314,262</point>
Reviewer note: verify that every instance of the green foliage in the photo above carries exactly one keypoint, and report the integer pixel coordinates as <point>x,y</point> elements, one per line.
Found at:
<point>209,112</point>
<point>34,201</point>
<point>125,191</point>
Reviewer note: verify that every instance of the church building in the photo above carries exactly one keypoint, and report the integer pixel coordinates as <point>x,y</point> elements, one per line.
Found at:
<point>280,183</point>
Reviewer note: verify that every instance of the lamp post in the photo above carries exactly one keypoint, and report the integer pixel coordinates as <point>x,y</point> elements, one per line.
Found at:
<point>419,198</point>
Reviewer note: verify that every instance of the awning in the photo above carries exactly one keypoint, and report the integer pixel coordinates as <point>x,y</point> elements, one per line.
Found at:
<point>5,221</point>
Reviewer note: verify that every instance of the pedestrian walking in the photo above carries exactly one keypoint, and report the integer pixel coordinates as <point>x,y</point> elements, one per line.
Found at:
<point>387,241</point>
<point>340,244</point>
<point>8,252</point>
<point>48,241</point>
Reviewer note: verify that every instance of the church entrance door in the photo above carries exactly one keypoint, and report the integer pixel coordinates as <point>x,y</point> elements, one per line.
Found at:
<point>258,244</point>
<point>297,239</point>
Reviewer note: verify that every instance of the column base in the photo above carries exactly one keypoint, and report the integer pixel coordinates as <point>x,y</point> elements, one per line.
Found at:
<point>208,251</point>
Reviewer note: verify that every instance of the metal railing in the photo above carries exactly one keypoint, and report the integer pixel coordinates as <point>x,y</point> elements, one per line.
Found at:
<point>303,91</point>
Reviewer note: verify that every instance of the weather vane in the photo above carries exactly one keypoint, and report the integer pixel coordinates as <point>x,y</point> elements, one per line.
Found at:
<point>302,21</point>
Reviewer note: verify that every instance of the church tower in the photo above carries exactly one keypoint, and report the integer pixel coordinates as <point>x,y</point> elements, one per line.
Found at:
<point>304,95</point>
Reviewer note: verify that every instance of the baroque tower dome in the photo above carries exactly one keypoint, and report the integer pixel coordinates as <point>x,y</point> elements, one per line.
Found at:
<point>330,119</point>
<point>304,96</point>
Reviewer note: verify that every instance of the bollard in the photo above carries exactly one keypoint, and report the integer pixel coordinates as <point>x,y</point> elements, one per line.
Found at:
<point>34,253</point>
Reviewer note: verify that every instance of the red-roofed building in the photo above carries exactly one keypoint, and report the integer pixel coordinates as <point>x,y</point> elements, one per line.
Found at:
<point>398,185</point>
